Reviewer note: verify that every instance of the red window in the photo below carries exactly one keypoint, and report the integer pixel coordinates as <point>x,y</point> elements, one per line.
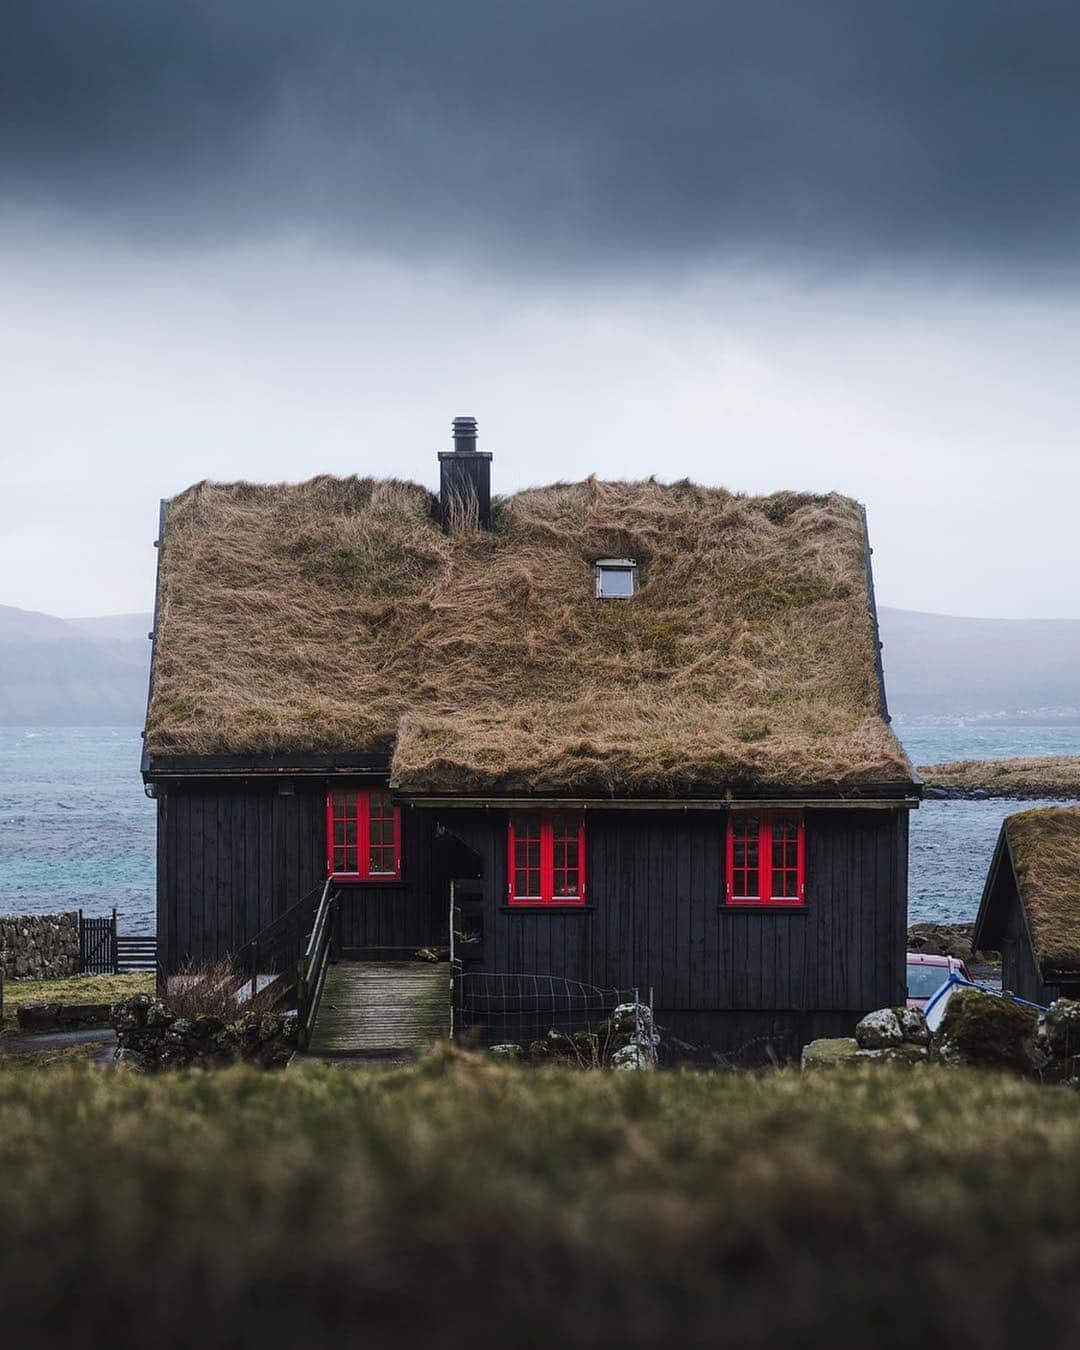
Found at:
<point>766,858</point>
<point>363,834</point>
<point>546,858</point>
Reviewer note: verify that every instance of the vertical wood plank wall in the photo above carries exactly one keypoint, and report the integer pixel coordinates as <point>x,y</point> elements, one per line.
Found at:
<point>655,919</point>
<point>1019,969</point>
<point>231,859</point>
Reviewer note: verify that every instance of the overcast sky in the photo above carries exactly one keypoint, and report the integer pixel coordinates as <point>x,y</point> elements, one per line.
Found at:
<point>765,244</point>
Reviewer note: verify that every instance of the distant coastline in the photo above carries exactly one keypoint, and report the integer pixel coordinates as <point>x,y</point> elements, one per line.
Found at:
<point>1024,778</point>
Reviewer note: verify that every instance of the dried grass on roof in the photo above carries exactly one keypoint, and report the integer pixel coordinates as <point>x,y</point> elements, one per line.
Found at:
<point>1023,776</point>
<point>337,615</point>
<point>1045,847</point>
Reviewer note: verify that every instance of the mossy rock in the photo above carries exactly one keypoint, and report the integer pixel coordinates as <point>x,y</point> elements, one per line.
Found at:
<point>984,1030</point>
<point>830,1052</point>
<point>845,1052</point>
<point>913,1025</point>
<point>897,1054</point>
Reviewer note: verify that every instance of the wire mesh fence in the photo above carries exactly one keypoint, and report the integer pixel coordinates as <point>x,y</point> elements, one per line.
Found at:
<point>496,1008</point>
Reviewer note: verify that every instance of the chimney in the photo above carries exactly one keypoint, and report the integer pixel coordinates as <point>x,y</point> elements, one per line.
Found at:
<point>465,480</point>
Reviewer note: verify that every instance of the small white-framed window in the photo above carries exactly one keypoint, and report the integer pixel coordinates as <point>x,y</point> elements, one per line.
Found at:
<point>616,578</point>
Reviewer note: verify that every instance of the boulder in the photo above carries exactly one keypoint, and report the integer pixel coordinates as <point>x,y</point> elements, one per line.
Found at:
<point>896,1054</point>
<point>830,1052</point>
<point>941,939</point>
<point>508,1052</point>
<point>157,1015</point>
<point>879,1029</point>
<point>1062,1028</point>
<point>913,1025</point>
<point>631,1019</point>
<point>984,1030</point>
<point>131,1061</point>
<point>633,1058</point>
<point>845,1052</point>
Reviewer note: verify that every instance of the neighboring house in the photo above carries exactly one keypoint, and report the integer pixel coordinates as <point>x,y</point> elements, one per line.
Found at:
<point>640,728</point>
<point>1030,908</point>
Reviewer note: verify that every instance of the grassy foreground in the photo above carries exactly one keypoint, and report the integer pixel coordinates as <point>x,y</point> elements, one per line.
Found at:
<point>460,1203</point>
<point>72,989</point>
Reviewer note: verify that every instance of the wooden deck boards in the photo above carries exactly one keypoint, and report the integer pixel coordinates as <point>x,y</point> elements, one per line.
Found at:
<point>381,1009</point>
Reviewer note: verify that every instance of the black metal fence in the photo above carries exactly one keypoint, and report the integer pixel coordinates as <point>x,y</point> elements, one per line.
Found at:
<point>499,1008</point>
<point>104,951</point>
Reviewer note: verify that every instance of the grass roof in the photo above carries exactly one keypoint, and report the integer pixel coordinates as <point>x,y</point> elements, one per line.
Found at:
<point>1023,776</point>
<point>336,615</point>
<point>1045,847</point>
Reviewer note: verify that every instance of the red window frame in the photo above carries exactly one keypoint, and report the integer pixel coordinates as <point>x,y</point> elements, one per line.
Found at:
<point>363,815</point>
<point>776,847</point>
<point>556,834</point>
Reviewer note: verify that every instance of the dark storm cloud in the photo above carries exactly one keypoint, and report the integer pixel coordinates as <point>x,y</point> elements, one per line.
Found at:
<point>558,131</point>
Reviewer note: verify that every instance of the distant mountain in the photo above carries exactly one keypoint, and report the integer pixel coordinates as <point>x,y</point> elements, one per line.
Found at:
<point>939,665</point>
<point>93,672</point>
<point>72,672</point>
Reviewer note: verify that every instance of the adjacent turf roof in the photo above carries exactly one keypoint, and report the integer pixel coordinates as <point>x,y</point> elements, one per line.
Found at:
<point>335,615</point>
<point>1045,848</point>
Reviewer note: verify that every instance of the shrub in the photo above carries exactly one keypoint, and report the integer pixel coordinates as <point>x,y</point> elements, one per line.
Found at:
<point>459,1203</point>
<point>214,989</point>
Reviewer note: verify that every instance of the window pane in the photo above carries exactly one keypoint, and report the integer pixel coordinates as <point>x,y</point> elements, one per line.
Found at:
<point>344,836</point>
<point>565,844</point>
<point>526,859</point>
<point>785,856</point>
<point>615,582</point>
<point>745,838</point>
<point>381,834</point>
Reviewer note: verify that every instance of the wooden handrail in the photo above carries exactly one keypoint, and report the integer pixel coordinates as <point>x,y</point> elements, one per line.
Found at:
<point>311,968</point>
<point>250,957</point>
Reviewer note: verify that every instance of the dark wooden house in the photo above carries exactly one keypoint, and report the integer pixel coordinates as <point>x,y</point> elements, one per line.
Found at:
<point>595,737</point>
<point>1030,908</point>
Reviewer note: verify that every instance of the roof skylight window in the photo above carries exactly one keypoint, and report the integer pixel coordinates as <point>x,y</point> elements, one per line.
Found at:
<point>616,578</point>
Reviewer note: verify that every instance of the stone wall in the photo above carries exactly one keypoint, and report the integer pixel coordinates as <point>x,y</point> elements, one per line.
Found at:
<point>151,1038</point>
<point>39,946</point>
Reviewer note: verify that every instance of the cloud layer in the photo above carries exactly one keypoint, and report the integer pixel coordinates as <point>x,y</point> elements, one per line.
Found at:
<point>557,134</point>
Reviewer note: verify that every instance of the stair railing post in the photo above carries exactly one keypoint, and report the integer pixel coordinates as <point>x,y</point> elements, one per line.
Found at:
<point>301,989</point>
<point>114,945</point>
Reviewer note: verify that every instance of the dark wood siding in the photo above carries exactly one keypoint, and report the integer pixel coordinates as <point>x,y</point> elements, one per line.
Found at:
<point>655,920</point>
<point>233,857</point>
<point>1019,969</point>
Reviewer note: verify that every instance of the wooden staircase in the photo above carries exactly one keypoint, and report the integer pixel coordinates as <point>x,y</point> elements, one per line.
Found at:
<point>380,1010</point>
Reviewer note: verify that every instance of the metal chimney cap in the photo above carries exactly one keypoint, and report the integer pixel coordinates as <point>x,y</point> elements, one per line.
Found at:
<point>464,434</point>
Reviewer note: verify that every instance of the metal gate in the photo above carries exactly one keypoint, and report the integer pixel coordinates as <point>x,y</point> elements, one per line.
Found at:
<point>97,945</point>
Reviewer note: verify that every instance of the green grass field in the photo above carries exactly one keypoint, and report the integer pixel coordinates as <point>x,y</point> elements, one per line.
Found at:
<point>73,989</point>
<point>460,1203</point>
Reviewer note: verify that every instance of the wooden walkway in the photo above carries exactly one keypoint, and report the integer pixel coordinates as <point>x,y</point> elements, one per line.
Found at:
<point>381,1009</point>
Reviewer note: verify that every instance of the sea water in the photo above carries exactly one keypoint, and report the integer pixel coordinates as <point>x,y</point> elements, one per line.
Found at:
<point>77,830</point>
<point>76,827</point>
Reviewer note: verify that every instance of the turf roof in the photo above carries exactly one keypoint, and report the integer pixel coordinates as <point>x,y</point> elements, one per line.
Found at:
<point>1045,847</point>
<point>335,615</point>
